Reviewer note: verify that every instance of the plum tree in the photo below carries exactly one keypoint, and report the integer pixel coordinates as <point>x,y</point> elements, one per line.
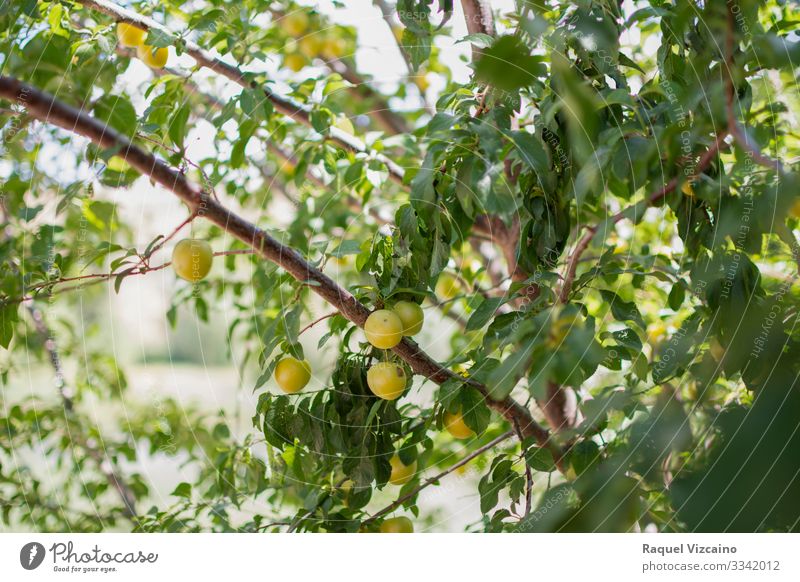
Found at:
<point>591,203</point>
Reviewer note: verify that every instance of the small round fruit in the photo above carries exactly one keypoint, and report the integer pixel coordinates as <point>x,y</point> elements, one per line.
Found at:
<point>794,211</point>
<point>447,287</point>
<point>334,48</point>
<point>455,425</point>
<point>383,329</point>
<point>295,23</point>
<point>191,259</point>
<point>656,333</point>
<point>717,350</point>
<point>386,380</point>
<point>311,46</point>
<point>687,189</point>
<point>155,58</point>
<point>410,315</point>
<point>401,474</point>
<point>292,374</point>
<point>129,35</point>
<point>295,62</point>
<point>397,525</point>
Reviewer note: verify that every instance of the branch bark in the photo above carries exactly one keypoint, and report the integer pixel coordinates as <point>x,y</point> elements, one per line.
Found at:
<point>46,108</point>
<point>479,19</point>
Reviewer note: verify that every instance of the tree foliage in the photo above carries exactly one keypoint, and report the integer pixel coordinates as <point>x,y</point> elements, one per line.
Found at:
<point>609,205</point>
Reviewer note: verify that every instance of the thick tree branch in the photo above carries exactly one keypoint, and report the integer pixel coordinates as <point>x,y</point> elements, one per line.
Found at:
<point>296,111</point>
<point>479,19</point>
<point>388,16</point>
<point>46,108</point>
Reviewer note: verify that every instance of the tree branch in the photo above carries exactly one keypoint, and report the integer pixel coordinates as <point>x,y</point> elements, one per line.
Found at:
<point>428,482</point>
<point>479,19</point>
<point>46,108</point>
<point>296,111</point>
<point>737,131</point>
<point>591,231</point>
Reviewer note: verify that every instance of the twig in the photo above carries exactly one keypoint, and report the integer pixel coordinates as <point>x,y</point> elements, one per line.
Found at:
<point>735,129</point>
<point>428,482</point>
<point>528,476</point>
<point>93,278</point>
<point>316,321</point>
<point>655,197</point>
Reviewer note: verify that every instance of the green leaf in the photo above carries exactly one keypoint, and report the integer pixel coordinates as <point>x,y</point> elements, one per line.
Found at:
<point>8,316</point>
<point>182,490</point>
<point>478,39</point>
<point>159,38</point>
<point>622,310</point>
<point>117,112</point>
<point>540,459</point>
<point>177,125</point>
<point>532,152</point>
<point>676,296</point>
<point>484,313</point>
<point>508,65</point>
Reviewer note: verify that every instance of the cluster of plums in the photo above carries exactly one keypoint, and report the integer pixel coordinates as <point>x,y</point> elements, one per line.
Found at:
<point>384,328</point>
<point>133,37</point>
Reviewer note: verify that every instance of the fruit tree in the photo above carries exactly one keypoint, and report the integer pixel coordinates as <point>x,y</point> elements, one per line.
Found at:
<point>551,256</point>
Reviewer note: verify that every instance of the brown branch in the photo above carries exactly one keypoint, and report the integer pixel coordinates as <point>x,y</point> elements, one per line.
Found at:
<point>479,19</point>
<point>103,462</point>
<point>316,321</point>
<point>296,111</point>
<point>591,231</point>
<point>46,108</point>
<point>528,476</point>
<point>388,16</point>
<point>738,132</point>
<point>428,482</point>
